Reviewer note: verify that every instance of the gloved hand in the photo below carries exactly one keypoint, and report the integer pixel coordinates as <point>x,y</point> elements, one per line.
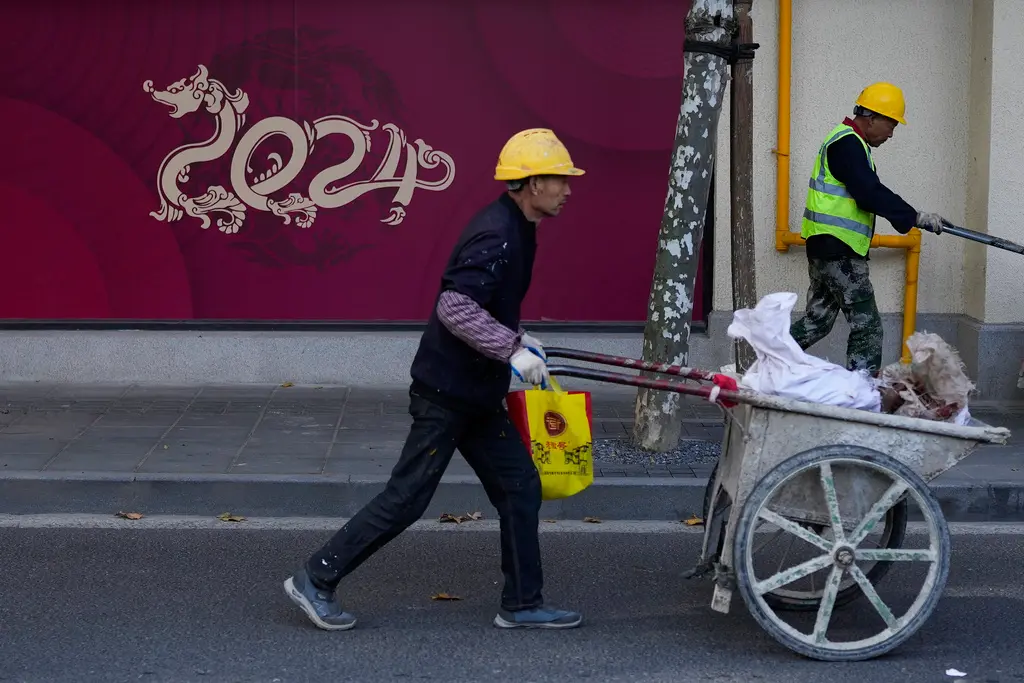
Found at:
<point>932,222</point>
<point>528,341</point>
<point>529,367</point>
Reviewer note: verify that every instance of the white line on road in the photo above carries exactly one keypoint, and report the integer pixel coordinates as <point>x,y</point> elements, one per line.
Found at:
<point>190,522</point>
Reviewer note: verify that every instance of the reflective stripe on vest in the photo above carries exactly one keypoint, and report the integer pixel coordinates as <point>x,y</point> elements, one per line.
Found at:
<point>830,208</point>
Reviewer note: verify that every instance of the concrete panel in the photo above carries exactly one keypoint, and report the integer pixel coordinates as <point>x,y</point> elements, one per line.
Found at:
<point>347,358</point>
<point>379,359</point>
<point>1003,302</point>
<point>993,354</point>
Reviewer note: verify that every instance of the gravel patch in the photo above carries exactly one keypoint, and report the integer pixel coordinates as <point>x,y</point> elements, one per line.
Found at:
<point>688,452</point>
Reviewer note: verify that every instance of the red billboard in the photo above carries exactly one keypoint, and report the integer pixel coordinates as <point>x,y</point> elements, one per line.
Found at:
<point>314,160</point>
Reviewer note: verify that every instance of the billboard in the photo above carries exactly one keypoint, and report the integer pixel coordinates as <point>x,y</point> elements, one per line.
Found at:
<point>314,160</point>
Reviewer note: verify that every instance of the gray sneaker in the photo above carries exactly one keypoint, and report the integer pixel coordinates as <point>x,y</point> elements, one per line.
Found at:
<point>320,606</point>
<point>540,617</point>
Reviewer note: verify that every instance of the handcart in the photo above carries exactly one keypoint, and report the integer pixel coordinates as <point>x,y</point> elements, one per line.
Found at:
<point>828,477</point>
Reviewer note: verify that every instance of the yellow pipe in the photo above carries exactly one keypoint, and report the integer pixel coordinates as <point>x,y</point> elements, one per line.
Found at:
<point>910,294</point>
<point>782,128</point>
<point>908,241</point>
<point>784,238</point>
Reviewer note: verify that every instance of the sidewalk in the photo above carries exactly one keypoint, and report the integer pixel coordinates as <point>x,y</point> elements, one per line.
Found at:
<point>323,451</point>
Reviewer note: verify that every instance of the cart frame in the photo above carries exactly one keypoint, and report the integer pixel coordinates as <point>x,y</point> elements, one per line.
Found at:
<point>807,468</point>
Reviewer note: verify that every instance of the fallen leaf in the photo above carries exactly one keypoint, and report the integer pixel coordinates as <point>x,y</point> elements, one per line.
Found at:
<point>448,518</point>
<point>592,520</point>
<point>550,521</point>
<point>228,517</point>
<point>130,515</point>
<point>694,520</point>
<point>288,384</point>
<point>444,596</point>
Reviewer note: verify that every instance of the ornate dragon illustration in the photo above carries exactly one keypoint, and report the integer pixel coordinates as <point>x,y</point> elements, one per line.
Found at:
<point>251,188</point>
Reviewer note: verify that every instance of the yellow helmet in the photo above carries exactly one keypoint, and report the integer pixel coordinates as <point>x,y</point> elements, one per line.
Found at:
<point>536,151</point>
<point>885,99</point>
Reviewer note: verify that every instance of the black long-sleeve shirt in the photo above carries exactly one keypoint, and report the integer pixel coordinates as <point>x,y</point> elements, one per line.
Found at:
<point>849,164</point>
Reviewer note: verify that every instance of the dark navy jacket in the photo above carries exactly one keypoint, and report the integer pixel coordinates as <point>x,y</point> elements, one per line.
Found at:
<point>492,263</point>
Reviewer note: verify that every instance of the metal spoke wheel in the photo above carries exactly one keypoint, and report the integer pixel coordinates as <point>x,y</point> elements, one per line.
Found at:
<point>893,531</point>
<point>842,553</point>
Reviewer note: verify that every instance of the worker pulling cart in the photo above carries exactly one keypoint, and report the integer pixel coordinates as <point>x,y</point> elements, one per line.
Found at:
<point>827,476</point>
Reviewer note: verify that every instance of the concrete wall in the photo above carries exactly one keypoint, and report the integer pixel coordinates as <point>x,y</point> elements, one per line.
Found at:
<point>378,359</point>
<point>958,156</point>
<point>838,48</point>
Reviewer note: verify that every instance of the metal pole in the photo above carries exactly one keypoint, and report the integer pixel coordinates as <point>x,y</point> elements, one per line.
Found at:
<point>988,240</point>
<point>741,179</point>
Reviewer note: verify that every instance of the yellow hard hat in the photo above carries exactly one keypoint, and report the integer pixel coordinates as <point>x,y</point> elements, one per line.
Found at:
<point>885,99</point>
<point>536,151</point>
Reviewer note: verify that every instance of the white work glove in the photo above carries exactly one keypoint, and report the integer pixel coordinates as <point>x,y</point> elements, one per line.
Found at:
<point>528,341</point>
<point>529,367</point>
<point>932,222</point>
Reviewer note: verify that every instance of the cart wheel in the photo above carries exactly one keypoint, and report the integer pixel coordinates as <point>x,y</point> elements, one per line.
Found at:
<point>893,532</point>
<point>841,556</point>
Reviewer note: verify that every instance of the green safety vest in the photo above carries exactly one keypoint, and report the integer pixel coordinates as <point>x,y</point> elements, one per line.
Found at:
<point>830,208</point>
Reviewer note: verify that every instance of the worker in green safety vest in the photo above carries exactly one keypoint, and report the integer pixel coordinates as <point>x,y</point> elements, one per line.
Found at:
<point>843,198</point>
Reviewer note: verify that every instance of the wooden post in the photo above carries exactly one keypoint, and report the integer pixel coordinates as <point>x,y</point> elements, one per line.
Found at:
<point>741,178</point>
<point>667,334</point>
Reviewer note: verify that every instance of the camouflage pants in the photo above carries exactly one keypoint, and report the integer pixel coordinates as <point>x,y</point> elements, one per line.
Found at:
<point>842,285</point>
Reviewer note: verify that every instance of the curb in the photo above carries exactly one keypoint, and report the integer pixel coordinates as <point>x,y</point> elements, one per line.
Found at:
<point>23,493</point>
<point>620,498</point>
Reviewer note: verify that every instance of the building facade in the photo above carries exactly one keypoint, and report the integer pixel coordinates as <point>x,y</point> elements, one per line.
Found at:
<point>271,196</point>
<point>958,156</point>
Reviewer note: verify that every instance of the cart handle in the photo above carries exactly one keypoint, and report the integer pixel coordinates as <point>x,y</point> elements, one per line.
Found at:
<point>623,362</point>
<point>714,394</point>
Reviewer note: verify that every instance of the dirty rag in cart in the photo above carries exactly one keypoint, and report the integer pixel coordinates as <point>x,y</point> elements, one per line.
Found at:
<point>783,369</point>
<point>933,386</point>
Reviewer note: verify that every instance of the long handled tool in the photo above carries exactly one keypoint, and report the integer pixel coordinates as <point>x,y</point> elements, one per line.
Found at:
<point>981,237</point>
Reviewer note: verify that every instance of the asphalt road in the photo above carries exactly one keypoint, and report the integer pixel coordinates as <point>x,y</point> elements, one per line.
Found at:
<point>206,605</point>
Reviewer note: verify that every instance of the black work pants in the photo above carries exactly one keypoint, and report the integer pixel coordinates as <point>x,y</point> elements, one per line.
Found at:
<point>492,446</point>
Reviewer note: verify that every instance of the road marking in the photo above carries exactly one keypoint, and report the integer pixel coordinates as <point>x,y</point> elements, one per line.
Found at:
<point>154,522</point>
<point>191,522</point>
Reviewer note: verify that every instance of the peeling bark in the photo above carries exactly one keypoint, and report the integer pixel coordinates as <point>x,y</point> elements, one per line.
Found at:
<point>670,311</point>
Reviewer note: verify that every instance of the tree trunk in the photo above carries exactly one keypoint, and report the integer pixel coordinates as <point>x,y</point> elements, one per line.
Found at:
<point>741,177</point>
<point>670,311</point>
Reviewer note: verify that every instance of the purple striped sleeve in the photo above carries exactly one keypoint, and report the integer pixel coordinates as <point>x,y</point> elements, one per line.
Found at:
<point>477,328</point>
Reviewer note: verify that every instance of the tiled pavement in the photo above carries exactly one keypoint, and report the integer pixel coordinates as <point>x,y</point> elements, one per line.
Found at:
<point>252,430</point>
<point>282,430</point>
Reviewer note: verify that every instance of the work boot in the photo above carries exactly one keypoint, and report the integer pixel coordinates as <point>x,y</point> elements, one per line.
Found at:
<point>319,605</point>
<point>539,617</point>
